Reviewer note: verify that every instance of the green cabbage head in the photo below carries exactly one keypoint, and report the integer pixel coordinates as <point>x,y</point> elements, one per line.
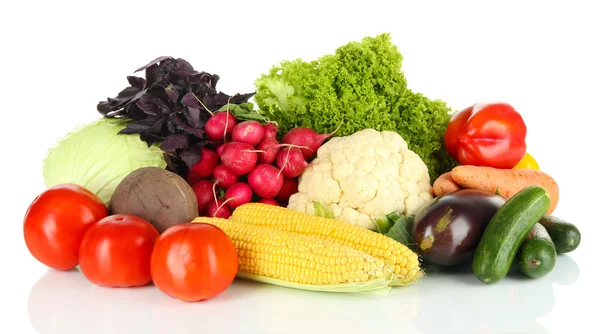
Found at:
<point>96,157</point>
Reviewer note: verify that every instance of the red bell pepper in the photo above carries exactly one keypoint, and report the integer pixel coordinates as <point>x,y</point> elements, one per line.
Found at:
<point>487,134</point>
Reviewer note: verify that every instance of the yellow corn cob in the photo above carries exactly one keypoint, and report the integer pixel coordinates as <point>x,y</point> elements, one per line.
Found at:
<point>404,261</point>
<point>295,258</point>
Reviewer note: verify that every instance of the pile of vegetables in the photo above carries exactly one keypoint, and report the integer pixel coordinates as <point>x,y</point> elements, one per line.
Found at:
<point>495,208</point>
<point>343,180</point>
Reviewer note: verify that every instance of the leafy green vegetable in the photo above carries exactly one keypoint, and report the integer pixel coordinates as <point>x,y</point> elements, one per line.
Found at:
<point>245,112</point>
<point>97,158</point>
<point>383,224</point>
<point>401,229</point>
<point>361,84</point>
<point>322,211</point>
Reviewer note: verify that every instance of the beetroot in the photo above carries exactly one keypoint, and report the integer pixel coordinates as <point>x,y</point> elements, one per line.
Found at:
<point>250,132</point>
<point>204,194</point>
<point>220,124</point>
<point>224,177</point>
<point>206,166</point>
<point>289,187</point>
<point>239,158</point>
<point>308,138</point>
<point>269,148</point>
<point>291,162</point>
<point>237,194</point>
<point>218,209</point>
<point>265,180</point>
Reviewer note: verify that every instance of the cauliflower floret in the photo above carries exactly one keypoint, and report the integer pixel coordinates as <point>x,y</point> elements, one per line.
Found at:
<point>362,177</point>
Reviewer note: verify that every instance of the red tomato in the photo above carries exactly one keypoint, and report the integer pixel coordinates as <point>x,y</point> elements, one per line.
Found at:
<point>193,261</point>
<point>56,221</point>
<point>115,252</point>
<point>487,134</point>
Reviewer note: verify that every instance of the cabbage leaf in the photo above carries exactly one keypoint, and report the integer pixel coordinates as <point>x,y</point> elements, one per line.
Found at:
<point>96,157</point>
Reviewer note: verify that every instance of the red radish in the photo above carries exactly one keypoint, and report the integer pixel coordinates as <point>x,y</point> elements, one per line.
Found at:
<point>271,130</point>
<point>270,148</point>
<point>265,180</point>
<point>237,194</point>
<point>307,137</point>
<point>240,158</point>
<point>220,149</point>
<point>220,124</point>
<point>269,201</point>
<point>291,162</point>
<point>204,194</point>
<point>224,177</point>
<point>250,132</point>
<point>192,177</point>
<point>206,166</point>
<point>290,187</point>
<point>218,209</point>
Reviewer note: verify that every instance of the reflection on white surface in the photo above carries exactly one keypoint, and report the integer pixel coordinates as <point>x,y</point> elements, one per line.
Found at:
<point>64,302</point>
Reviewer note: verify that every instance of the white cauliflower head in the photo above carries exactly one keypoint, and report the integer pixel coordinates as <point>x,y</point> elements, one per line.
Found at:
<point>362,177</point>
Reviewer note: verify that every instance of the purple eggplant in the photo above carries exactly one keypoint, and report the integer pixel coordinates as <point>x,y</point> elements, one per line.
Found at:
<point>447,231</point>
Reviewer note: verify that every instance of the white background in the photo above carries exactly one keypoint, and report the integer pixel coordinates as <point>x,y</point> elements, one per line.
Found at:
<point>59,58</point>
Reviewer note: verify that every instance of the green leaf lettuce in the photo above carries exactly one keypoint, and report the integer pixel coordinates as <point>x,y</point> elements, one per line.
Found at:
<point>361,84</point>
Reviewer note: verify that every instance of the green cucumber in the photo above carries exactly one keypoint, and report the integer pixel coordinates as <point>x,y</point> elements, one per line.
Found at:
<point>566,236</point>
<point>506,231</point>
<point>537,255</point>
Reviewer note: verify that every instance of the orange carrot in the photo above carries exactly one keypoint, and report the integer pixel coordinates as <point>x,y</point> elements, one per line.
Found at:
<point>445,185</point>
<point>506,182</point>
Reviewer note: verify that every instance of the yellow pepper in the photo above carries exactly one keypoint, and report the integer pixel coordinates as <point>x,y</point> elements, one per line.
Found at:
<point>527,162</point>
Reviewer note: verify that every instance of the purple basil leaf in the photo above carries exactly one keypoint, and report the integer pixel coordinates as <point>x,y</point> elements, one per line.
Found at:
<point>134,112</point>
<point>149,124</point>
<point>127,93</point>
<point>172,127</point>
<point>172,93</point>
<point>174,165</point>
<point>213,81</point>
<point>136,82</point>
<point>174,142</point>
<point>193,116</point>
<point>241,98</point>
<point>153,105</point>
<point>152,63</point>
<point>182,63</point>
<point>104,108</point>
<point>214,102</point>
<point>185,71</point>
<point>189,100</point>
<point>191,156</point>
<point>187,128</point>
<point>147,105</point>
<point>150,138</point>
<point>152,75</point>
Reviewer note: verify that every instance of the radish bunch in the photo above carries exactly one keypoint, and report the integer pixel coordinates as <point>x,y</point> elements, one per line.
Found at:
<point>249,164</point>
